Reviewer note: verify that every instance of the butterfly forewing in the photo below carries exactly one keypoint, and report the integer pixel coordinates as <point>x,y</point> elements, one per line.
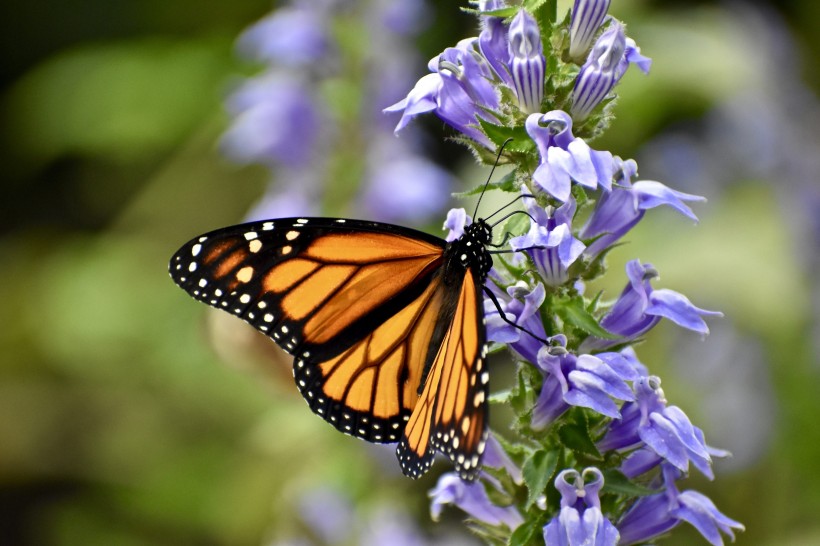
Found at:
<point>314,285</point>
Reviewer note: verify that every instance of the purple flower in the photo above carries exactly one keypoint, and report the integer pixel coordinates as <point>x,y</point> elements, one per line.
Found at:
<point>551,231</point>
<point>493,42</point>
<point>527,61</point>
<point>388,526</point>
<point>618,211</point>
<point>403,18</point>
<point>586,18</point>
<point>496,457</point>
<point>599,74</point>
<point>654,515</point>
<point>471,498</point>
<point>665,430</point>
<point>463,86</point>
<point>640,307</point>
<point>457,220</point>
<point>604,67</point>
<point>276,121</point>
<point>328,513</point>
<point>589,381</point>
<point>580,521</point>
<point>458,91</point>
<point>564,158</point>
<point>520,305</point>
<point>294,36</point>
<point>402,186</point>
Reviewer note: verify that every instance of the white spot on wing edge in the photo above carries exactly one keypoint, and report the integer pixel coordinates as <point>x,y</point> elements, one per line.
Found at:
<point>251,235</point>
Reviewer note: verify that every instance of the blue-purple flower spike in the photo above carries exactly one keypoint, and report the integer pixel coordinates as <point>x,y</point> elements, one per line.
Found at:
<point>586,18</point>
<point>527,64</point>
<point>572,377</point>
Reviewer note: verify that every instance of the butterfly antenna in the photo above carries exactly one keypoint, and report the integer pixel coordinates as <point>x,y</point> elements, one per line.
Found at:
<point>487,183</point>
<point>513,213</point>
<point>523,196</point>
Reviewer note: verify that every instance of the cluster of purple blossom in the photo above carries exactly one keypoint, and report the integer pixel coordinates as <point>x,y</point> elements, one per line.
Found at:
<point>319,87</point>
<point>496,86</point>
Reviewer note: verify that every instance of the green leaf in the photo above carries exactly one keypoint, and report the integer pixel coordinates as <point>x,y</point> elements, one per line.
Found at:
<point>574,312</point>
<point>498,134</point>
<point>537,472</point>
<point>501,12</point>
<point>575,435</point>
<point>616,482</point>
<point>525,534</point>
<point>516,225</point>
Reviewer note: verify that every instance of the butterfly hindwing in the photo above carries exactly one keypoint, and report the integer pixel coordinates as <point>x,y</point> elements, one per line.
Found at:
<point>370,389</point>
<point>451,413</point>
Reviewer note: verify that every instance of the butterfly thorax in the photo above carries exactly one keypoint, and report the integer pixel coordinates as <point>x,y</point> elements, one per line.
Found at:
<point>470,251</point>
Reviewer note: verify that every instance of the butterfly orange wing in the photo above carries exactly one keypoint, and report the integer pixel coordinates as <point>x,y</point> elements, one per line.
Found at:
<point>451,413</point>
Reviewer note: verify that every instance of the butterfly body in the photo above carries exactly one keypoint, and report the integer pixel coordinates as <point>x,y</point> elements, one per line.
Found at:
<point>385,323</point>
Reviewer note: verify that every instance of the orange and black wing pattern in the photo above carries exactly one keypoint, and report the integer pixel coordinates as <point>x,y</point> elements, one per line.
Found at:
<point>451,413</point>
<point>366,312</point>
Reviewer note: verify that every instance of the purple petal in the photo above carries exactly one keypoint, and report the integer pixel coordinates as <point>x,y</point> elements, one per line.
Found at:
<point>587,16</point>
<point>471,498</point>
<point>612,383</point>
<point>701,512</point>
<point>677,308</point>
<point>421,99</point>
<point>623,367</point>
<point>653,194</point>
<point>646,519</point>
<point>639,462</point>
<point>660,435</point>
<point>553,181</point>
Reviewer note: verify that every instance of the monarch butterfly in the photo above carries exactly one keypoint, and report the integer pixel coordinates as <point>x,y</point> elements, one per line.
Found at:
<point>385,324</point>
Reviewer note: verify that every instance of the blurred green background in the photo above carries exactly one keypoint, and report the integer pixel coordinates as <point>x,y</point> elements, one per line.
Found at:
<point>130,415</point>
